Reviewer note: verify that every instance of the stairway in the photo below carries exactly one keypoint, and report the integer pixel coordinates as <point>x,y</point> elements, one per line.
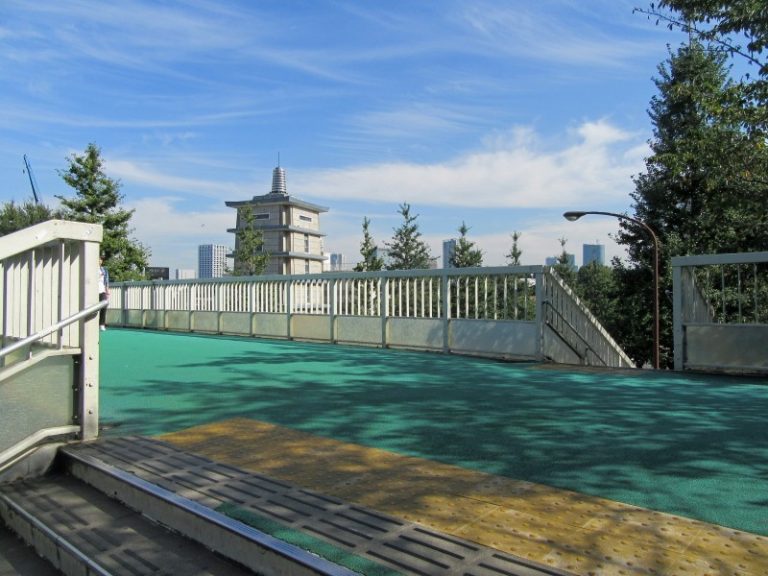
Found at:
<point>133,506</point>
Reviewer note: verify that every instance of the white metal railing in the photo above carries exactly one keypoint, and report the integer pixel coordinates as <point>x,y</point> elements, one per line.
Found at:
<point>487,311</point>
<point>492,293</point>
<point>720,311</point>
<point>577,328</point>
<point>48,305</point>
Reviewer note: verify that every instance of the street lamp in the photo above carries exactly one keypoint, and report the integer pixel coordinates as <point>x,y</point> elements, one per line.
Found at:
<point>572,216</point>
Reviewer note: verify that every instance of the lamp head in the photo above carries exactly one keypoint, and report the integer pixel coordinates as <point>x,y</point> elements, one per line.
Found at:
<point>573,216</point>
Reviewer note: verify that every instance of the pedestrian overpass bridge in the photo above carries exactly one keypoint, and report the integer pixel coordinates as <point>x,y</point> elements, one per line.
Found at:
<point>49,380</point>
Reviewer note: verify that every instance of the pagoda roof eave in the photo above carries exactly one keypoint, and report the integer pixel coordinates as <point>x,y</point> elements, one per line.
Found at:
<point>272,198</point>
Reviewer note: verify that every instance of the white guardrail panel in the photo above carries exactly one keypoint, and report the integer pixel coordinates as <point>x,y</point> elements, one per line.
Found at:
<point>48,314</point>
<point>493,311</point>
<point>720,312</point>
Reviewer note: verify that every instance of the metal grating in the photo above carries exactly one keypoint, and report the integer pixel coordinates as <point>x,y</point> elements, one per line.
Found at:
<point>117,540</point>
<point>405,546</point>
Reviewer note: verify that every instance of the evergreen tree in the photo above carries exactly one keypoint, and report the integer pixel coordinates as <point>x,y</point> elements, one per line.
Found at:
<point>97,201</point>
<point>564,268</point>
<point>596,286</point>
<point>703,191</point>
<point>738,28</point>
<point>250,257</point>
<point>513,258</point>
<point>14,216</point>
<point>370,262</point>
<point>466,255</point>
<point>407,251</point>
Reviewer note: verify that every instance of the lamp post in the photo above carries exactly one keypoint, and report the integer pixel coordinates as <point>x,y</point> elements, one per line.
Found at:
<point>575,215</point>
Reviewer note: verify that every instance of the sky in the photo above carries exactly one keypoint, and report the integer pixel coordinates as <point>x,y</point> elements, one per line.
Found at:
<point>501,114</point>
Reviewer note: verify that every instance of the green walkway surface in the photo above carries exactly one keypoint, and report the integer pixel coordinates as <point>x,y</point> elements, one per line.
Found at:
<point>690,445</point>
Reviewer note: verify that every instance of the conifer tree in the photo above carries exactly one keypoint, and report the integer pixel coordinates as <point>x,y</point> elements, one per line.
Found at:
<point>97,201</point>
<point>466,255</point>
<point>370,261</point>
<point>407,251</point>
<point>513,257</point>
<point>703,190</point>
<point>14,216</point>
<point>250,257</point>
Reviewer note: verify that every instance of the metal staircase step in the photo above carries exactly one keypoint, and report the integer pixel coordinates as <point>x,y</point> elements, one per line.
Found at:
<point>80,530</point>
<point>391,542</point>
<point>19,559</point>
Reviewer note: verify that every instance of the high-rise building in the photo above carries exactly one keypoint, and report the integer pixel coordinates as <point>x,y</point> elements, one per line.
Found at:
<point>594,253</point>
<point>337,262</point>
<point>291,228</point>
<point>449,249</point>
<point>211,260</point>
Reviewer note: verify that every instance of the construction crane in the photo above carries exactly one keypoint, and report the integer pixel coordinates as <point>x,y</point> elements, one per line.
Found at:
<point>32,181</point>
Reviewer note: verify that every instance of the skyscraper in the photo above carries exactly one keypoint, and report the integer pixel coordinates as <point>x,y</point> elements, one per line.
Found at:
<point>211,260</point>
<point>593,253</point>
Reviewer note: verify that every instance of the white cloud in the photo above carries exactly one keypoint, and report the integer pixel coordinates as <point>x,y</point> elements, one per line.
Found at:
<point>173,235</point>
<point>594,164</point>
<point>547,33</point>
<point>133,172</point>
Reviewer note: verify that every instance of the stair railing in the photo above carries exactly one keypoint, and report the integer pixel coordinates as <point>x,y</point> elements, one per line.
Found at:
<point>49,348</point>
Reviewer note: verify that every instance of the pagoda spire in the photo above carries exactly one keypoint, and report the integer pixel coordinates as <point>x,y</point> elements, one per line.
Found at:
<point>278,181</point>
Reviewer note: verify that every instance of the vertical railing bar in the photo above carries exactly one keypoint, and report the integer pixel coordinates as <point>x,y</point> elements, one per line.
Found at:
<point>495,298</point>
<point>739,294</point>
<point>722,293</point>
<point>60,294</point>
<point>30,291</point>
<point>754,293</point>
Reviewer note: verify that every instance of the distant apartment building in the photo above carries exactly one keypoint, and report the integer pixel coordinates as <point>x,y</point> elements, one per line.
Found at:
<point>185,274</point>
<point>157,273</point>
<point>291,228</point>
<point>593,253</point>
<point>211,261</point>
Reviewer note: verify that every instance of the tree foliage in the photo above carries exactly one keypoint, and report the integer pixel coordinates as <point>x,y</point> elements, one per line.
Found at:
<point>513,257</point>
<point>370,261</point>
<point>250,257</point>
<point>738,28</point>
<point>597,287</point>
<point>704,188</point>
<point>564,267</point>
<point>14,216</point>
<point>97,201</point>
<point>408,251</point>
<point>466,255</point>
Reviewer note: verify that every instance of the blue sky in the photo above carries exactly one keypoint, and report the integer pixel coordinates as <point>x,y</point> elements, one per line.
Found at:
<point>499,113</point>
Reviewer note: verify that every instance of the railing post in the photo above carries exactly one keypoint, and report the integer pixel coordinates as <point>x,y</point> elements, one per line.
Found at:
<point>540,278</point>
<point>88,373</point>
<point>444,304</point>
<point>384,310</point>
<point>678,327</point>
<point>288,305</point>
<point>332,309</point>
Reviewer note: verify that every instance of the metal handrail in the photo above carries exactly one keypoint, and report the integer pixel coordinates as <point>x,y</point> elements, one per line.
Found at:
<point>53,328</point>
<point>587,346</point>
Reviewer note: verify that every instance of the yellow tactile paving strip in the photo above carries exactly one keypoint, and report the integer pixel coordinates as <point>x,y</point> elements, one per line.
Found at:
<point>583,534</point>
